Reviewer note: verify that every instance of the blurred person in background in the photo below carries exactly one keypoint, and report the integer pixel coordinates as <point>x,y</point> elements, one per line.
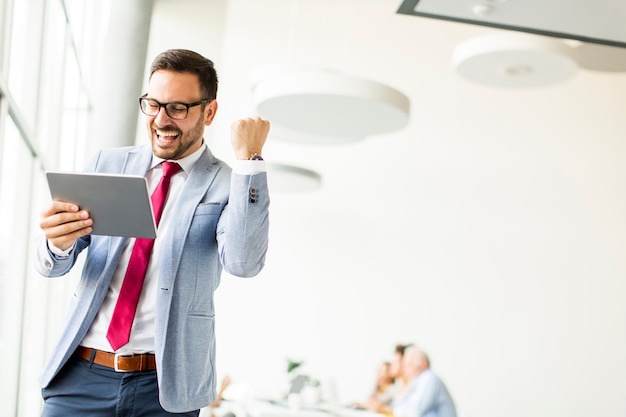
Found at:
<point>391,385</point>
<point>427,395</point>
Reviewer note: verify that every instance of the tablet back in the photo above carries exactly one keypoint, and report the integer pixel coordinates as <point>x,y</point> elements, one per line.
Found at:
<point>118,204</point>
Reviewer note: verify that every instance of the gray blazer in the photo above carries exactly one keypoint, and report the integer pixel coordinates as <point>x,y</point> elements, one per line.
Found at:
<point>222,221</point>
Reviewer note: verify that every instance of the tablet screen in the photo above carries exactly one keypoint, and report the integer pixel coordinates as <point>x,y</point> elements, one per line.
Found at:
<point>118,204</point>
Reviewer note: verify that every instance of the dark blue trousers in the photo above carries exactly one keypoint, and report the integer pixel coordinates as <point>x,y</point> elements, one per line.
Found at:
<point>86,389</point>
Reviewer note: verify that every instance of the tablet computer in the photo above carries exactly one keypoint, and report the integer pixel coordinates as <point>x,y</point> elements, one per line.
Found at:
<point>118,204</point>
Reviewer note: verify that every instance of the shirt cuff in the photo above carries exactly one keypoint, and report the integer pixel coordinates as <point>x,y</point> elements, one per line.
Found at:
<point>248,167</point>
<point>61,253</point>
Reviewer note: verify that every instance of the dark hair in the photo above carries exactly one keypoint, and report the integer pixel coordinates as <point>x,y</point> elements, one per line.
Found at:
<point>183,60</point>
<point>399,349</point>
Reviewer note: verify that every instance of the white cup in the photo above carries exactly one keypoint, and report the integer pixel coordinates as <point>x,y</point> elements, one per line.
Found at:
<point>294,401</point>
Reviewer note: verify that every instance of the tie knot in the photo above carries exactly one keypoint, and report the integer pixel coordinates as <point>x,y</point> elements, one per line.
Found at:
<point>170,168</point>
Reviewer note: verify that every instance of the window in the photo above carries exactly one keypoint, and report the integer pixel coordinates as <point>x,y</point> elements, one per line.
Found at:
<point>16,164</point>
<point>47,50</point>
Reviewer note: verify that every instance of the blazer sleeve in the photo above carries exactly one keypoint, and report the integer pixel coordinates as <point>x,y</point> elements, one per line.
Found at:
<point>50,265</point>
<point>243,227</point>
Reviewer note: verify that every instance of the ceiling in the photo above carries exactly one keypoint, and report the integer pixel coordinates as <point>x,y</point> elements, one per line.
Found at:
<point>369,39</point>
<point>488,201</point>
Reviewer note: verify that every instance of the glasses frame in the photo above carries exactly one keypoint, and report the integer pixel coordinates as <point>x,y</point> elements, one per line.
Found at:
<point>164,105</point>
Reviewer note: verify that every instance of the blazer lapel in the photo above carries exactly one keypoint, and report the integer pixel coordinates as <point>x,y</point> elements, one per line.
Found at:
<point>199,181</point>
<point>138,160</point>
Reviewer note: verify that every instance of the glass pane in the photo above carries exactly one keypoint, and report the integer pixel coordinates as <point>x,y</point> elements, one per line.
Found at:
<point>15,174</point>
<point>24,55</point>
<point>67,140</point>
<point>52,86</point>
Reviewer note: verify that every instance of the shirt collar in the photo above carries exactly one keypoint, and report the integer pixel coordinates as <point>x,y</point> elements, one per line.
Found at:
<point>185,163</point>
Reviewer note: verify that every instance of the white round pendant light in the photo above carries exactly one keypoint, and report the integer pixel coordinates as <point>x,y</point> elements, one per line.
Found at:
<point>322,106</point>
<point>515,60</point>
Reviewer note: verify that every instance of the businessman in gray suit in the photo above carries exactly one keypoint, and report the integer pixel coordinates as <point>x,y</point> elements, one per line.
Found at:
<point>214,217</point>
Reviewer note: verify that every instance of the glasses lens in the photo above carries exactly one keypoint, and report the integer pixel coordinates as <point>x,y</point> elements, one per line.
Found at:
<point>176,110</point>
<point>149,107</point>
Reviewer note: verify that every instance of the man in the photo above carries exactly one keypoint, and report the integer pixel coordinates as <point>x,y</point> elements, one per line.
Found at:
<point>213,218</point>
<point>427,395</point>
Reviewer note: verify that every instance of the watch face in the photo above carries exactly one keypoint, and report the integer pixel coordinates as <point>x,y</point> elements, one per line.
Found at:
<point>256,158</point>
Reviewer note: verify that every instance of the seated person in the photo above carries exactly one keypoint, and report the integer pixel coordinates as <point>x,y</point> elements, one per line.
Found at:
<point>382,403</point>
<point>383,389</point>
<point>427,395</point>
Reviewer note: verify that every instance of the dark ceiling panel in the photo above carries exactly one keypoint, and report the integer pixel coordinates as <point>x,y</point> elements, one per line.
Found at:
<point>463,14</point>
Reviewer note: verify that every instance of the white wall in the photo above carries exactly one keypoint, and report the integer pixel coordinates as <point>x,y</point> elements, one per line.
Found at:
<point>490,231</point>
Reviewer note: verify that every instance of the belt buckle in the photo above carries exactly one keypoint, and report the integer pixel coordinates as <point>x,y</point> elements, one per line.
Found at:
<point>116,367</point>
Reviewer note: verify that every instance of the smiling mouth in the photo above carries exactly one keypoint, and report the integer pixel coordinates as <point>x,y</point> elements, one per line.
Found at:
<point>166,136</point>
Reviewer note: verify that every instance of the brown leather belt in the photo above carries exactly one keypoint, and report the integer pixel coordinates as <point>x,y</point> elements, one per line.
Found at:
<point>117,362</point>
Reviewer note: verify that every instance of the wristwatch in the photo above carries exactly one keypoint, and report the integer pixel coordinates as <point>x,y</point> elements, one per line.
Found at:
<point>255,157</point>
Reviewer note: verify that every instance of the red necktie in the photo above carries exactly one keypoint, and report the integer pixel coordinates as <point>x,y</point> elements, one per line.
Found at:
<point>124,313</point>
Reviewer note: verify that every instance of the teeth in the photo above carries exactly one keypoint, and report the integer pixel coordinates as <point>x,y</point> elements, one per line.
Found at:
<point>163,133</point>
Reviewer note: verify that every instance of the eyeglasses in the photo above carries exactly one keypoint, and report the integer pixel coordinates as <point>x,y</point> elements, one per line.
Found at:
<point>174,109</point>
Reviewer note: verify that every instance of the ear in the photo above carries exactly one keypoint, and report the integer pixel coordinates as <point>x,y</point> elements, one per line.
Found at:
<point>209,112</point>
